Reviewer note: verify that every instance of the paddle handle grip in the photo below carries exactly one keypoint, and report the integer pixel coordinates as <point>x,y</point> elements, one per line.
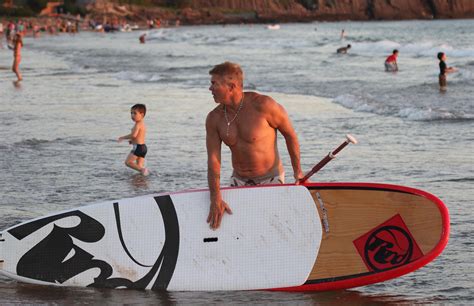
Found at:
<point>328,158</point>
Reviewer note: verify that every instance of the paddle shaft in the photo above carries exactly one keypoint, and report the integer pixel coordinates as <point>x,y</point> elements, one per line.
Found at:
<point>328,158</point>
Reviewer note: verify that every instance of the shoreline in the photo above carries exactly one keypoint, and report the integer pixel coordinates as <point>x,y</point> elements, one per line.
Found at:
<point>64,23</point>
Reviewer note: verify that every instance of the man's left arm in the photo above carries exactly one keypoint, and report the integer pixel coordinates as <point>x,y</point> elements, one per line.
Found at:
<point>282,123</point>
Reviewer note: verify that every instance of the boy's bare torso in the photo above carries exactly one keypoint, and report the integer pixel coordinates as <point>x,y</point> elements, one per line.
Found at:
<point>140,129</point>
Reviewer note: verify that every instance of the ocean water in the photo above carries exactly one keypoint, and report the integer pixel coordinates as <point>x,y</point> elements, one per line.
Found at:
<point>58,131</point>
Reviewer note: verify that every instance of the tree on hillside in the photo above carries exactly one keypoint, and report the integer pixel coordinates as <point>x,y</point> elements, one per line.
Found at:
<point>36,5</point>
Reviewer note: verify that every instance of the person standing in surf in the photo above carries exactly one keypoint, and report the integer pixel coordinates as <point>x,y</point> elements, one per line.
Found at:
<point>1,34</point>
<point>136,158</point>
<point>391,62</point>
<point>443,70</point>
<point>17,45</point>
<point>247,122</point>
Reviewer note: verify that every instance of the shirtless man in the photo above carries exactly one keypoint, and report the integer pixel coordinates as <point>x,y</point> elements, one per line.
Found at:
<point>247,122</point>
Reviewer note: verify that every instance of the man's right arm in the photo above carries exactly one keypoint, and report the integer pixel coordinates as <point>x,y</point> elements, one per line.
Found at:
<point>213,144</point>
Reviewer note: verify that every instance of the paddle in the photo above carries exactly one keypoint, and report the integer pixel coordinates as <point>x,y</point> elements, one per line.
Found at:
<point>328,158</point>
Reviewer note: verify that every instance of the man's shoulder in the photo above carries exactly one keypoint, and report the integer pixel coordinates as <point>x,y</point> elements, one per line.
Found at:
<point>214,114</point>
<point>216,110</point>
<point>262,103</point>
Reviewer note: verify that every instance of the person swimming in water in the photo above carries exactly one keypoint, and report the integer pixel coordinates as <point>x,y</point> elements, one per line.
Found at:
<point>142,38</point>
<point>343,50</point>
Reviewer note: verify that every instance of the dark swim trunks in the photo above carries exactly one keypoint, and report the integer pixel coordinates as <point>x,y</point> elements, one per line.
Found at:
<point>442,81</point>
<point>139,150</point>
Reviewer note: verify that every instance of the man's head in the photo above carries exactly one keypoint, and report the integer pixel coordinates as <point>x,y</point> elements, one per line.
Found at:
<point>226,80</point>
<point>395,52</point>
<point>348,46</point>
<point>440,55</point>
<point>231,72</point>
<point>138,110</point>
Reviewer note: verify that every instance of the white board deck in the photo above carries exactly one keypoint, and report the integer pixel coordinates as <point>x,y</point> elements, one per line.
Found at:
<point>163,242</point>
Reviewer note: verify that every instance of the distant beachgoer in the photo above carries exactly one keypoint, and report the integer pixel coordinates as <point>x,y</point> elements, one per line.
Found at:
<point>142,38</point>
<point>151,23</point>
<point>36,31</point>
<point>391,62</point>
<point>20,27</point>
<point>443,70</point>
<point>343,50</point>
<point>343,34</point>
<point>17,45</point>
<point>10,32</point>
<point>1,35</point>
<point>136,158</point>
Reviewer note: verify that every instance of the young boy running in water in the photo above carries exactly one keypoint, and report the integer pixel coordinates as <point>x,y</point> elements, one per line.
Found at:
<point>136,158</point>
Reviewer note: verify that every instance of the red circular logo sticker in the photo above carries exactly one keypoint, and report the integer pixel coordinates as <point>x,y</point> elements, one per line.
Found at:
<point>388,246</point>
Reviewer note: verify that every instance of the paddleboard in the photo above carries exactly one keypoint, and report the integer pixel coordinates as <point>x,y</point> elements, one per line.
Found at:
<point>281,237</point>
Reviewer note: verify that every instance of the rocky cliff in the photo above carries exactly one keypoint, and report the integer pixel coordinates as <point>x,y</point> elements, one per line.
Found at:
<point>227,11</point>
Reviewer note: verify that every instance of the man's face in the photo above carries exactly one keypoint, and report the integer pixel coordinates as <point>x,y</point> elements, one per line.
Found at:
<point>220,89</point>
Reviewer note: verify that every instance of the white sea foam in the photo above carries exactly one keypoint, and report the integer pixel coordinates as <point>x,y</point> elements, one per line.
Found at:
<point>422,48</point>
<point>358,103</point>
<point>138,76</point>
<point>464,75</point>
<point>372,105</point>
<point>412,113</point>
<point>383,46</point>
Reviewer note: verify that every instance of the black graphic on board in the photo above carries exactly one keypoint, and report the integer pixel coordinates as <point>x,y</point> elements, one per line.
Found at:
<point>46,260</point>
<point>166,261</point>
<point>388,247</point>
<point>119,230</point>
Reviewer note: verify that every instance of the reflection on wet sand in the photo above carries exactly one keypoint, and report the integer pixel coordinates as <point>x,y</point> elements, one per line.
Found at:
<point>17,84</point>
<point>139,182</point>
